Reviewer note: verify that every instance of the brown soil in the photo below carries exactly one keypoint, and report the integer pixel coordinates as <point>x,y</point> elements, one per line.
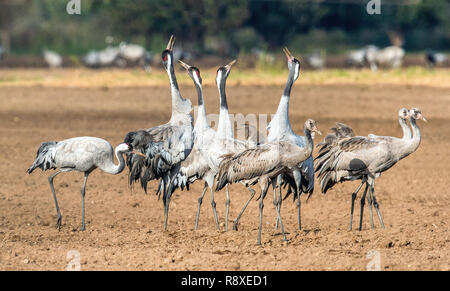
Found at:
<point>124,228</point>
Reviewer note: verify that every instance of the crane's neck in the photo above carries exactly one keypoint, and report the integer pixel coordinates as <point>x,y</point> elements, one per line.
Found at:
<point>309,143</point>
<point>115,169</point>
<point>223,96</point>
<point>416,135</point>
<point>280,123</point>
<point>407,133</point>
<point>410,145</point>
<point>201,121</point>
<point>179,104</point>
<point>225,127</point>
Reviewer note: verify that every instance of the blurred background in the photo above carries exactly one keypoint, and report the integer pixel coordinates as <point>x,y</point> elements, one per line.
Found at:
<point>120,33</point>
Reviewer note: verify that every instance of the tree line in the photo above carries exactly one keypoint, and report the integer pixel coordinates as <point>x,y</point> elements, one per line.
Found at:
<point>223,26</point>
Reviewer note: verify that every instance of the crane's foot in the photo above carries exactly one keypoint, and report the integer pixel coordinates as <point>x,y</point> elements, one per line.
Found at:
<point>83,228</point>
<point>58,223</point>
<point>235,226</point>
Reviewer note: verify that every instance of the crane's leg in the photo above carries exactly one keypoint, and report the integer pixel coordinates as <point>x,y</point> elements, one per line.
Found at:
<point>353,203</point>
<point>261,207</point>
<point>200,200</point>
<point>370,201</point>
<point>278,208</point>
<point>280,200</point>
<point>363,198</point>
<point>236,221</point>
<point>83,194</point>
<point>166,201</point>
<point>375,203</point>
<point>299,208</point>
<point>227,204</point>
<point>275,203</point>
<point>160,188</point>
<point>58,212</point>
<point>213,204</point>
<point>298,183</point>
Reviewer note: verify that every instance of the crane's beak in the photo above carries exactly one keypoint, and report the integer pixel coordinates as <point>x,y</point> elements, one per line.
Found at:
<point>421,117</point>
<point>318,131</point>
<point>228,67</point>
<point>289,56</point>
<point>186,66</point>
<point>171,43</point>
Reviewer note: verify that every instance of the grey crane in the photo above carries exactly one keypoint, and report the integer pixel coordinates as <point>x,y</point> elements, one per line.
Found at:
<point>83,154</point>
<point>209,145</point>
<point>165,146</point>
<point>263,164</point>
<point>196,165</point>
<point>343,157</point>
<point>301,177</point>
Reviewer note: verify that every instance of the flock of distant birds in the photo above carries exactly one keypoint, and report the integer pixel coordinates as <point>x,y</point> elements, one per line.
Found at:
<point>127,55</point>
<point>178,153</point>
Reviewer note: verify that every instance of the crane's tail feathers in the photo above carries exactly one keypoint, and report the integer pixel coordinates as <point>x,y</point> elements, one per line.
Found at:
<point>45,157</point>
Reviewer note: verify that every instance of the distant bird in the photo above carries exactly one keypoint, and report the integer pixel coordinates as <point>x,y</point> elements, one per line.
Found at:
<point>165,146</point>
<point>108,56</point>
<point>91,59</point>
<point>434,58</point>
<point>362,56</point>
<point>316,59</point>
<point>265,163</point>
<point>344,157</point>
<point>133,54</point>
<point>391,56</point>
<point>52,59</point>
<point>83,154</point>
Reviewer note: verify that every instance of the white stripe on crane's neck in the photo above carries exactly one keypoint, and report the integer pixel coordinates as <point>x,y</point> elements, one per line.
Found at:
<point>219,78</point>
<point>225,127</point>
<point>297,71</point>
<point>196,79</point>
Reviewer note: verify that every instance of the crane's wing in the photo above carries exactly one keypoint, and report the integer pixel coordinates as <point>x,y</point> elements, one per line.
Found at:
<point>164,146</point>
<point>248,164</point>
<point>344,156</point>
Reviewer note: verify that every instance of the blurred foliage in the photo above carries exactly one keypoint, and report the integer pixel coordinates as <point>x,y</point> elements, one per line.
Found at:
<point>223,27</point>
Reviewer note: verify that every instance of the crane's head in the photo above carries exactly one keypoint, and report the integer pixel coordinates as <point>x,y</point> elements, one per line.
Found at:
<point>167,56</point>
<point>416,114</point>
<point>312,126</point>
<point>293,64</point>
<point>403,113</point>
<point>193,72</point>
<point>124,148</point>
<point>223,72</point>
